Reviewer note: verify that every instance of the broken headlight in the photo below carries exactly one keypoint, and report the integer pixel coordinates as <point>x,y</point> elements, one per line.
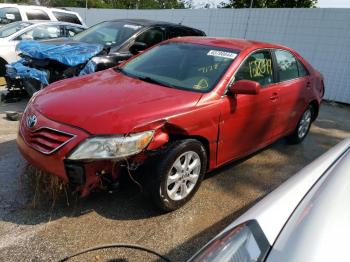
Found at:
<point>111,147</point>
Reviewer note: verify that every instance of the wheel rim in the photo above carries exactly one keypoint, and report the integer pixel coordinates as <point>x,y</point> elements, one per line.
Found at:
<point>304,123</point>
<point>183,175</point>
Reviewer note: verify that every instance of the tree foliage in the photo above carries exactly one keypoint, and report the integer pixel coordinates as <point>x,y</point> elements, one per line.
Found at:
<point>270,3</point>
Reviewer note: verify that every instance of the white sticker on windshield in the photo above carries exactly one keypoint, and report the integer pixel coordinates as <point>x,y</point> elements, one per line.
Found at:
<point>222,54</point>
<point>135,27</point>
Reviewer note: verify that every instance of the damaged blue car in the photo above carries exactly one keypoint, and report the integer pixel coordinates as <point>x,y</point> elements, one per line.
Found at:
<point>100,47</point>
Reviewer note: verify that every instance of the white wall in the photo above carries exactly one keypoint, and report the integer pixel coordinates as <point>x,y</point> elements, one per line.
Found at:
<point>322,36</point>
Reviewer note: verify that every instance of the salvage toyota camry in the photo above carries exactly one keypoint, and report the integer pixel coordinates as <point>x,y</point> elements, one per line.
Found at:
<point>171,114</point>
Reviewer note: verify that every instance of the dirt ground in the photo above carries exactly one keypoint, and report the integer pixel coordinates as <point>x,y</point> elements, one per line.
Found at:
<point>47,233</point>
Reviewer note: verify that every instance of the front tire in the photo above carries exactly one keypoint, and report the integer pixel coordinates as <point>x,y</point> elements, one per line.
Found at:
<point>303,127</point>
<point>178,174</point>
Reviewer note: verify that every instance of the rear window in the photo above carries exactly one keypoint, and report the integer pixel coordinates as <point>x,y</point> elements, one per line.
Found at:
<point>36,14</point>
<point>67,17</point>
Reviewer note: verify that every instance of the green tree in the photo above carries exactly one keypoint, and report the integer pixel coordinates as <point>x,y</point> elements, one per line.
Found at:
<point>269,3</point>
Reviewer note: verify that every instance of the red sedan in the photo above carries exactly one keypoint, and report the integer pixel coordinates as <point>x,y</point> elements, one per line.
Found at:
<point>171,114</point>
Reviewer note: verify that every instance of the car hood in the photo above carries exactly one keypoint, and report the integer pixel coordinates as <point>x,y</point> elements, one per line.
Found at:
<point>69,53</point>
<point>108,102</point>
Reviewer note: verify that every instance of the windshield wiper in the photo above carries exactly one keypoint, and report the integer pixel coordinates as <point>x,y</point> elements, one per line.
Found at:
<point>157,82</point>
<point>145,78</point>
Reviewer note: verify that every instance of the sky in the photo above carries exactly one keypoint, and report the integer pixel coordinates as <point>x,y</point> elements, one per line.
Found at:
<point>334,3</point>
<point>321,3</point>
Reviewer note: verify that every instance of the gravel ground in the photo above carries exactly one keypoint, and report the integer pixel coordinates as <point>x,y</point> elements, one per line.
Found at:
<point>49,232</point>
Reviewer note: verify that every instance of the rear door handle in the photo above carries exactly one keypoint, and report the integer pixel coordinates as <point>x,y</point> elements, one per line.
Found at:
<point>274,97</point>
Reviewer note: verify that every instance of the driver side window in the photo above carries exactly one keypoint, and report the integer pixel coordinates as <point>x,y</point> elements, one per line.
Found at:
<point>257,67</point>
<point>151,36</point>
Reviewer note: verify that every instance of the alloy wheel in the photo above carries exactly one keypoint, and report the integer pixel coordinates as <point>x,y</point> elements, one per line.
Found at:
<point>183,175</point>
<point>304,124</point>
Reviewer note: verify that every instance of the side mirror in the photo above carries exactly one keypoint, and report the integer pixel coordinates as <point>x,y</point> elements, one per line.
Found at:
<point>137,47</point>
<point>246,87</point>
<point>10,17</point>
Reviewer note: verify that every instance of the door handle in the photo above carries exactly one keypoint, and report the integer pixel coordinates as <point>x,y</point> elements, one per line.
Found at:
<point>274,97</point>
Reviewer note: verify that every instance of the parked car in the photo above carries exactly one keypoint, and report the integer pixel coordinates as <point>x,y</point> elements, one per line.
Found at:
<point>12,13</point>
<point>172,113</point>
<point>305,219</point>
<point>12,34</point>
<point>100,47</point>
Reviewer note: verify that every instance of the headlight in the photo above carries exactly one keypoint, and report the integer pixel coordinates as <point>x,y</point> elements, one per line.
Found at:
<point>245,242</point>
<point>111,147</point>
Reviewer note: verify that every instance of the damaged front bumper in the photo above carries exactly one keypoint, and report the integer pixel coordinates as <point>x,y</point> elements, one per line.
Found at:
<point>46,145</point>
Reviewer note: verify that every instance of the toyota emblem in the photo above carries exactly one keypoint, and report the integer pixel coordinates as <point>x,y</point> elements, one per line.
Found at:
<point>31,121</point>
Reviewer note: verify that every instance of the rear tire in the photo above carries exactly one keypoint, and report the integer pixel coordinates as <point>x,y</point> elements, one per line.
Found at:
<point>177,175</point>
<point>302,128</point>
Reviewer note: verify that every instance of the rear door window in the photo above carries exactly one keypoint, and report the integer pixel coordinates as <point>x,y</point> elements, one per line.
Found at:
<point>287,68</point>
<point>37,14</point>
<point>9,15</point>
<point>67,17</point>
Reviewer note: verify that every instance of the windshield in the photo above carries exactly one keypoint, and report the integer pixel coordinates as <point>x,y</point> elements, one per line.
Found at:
<point>12,28</point>
<point>108,33</point>
<point>182,65</point>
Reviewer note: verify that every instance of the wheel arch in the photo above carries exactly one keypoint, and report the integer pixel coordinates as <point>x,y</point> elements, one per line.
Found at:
<point>201,139</point>
<point>315,107</point>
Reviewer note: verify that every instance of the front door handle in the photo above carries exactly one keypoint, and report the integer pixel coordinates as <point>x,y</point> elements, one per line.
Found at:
<point>274,97</point>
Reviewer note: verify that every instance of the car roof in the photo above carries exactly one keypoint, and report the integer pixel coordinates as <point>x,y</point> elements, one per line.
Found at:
<point>37,7</point>
<point>53,22</point>
<point>232,43</point>
<point>48,22</point>
<point>146,22</point>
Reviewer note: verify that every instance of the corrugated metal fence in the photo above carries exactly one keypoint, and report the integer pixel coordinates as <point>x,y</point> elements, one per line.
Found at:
<point>322,36</point>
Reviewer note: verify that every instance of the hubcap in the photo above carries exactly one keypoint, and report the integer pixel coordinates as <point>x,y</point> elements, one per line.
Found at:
<point>183,175</point>
<point>304,123</point>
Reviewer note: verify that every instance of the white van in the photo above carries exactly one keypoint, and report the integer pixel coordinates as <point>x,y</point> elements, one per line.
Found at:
<point>12,12</point>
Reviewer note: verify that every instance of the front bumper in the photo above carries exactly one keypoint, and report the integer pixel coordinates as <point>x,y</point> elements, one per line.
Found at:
<point>39,147</point>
